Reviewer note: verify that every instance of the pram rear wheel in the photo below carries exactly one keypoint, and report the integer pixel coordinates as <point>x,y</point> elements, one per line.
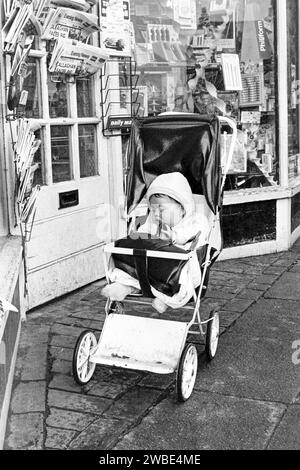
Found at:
<point>187,372</point>
<point>83,369</point>
<point>212,335</point>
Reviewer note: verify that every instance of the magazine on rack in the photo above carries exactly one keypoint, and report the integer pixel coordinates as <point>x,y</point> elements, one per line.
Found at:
<point>74,57</point>
<point>68,23</point>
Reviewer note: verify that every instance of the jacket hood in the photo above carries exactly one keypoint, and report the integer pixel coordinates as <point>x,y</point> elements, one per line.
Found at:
<point>176,186</point>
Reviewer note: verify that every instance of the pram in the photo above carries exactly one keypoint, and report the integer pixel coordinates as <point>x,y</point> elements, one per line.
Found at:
<point>190,144</point>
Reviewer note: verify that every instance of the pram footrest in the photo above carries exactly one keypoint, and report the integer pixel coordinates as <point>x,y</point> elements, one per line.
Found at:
<point>141,343</point>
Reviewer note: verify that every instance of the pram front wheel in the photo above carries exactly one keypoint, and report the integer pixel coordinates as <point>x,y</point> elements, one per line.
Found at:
<point>212,335</point>
<point>187,372</point>
<point>83,369</point>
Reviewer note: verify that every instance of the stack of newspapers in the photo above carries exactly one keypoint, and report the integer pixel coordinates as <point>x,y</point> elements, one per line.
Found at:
<point>69,23</point>
<point>76,58</point>
<point>25,149</point>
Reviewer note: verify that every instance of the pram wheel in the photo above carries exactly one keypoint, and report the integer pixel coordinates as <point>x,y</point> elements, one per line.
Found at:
<point>212,335</point>
<point>83,369</point>
<point>187,372</point>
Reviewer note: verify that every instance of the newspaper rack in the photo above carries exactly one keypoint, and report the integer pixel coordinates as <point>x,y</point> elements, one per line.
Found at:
<point>126,79</point>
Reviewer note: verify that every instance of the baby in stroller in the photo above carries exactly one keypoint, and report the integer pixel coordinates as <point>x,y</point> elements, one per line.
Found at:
<point>172,217</point>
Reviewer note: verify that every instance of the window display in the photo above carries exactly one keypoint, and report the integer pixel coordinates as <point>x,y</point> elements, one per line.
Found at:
<point>293,88</point>
<point>208,56</point>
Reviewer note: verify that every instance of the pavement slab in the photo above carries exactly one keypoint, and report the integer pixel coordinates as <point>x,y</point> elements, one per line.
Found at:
<point>77,402</point>
<point>72,420</point>
<point>287,288</point>
<point>206,421</point>
<point>29,397</point>
<point>287,434</point>
<point>100,435</point>
<point>58,438</point>
<point>25,432</point>
<point>250,367</point>
<point>134,403</point>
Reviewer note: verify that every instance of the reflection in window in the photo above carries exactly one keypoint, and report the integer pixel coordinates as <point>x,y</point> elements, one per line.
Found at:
<point>57,92</point>
<point>60,151</point>
<point>87,151</point>
<point>31,86</point>
<point>38,175</point>
<point>85,105</point>
<point>293,87</point>
<point>214,57</point>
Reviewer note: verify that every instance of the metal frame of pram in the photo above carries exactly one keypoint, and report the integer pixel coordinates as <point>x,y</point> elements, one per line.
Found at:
<point>148,344</point>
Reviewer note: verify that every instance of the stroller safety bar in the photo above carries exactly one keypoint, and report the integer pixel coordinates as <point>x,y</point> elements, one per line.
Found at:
<point>110,248</point>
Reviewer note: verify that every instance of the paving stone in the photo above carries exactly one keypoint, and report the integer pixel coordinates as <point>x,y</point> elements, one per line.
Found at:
<point>251,367</point>
<point>62,340</point>
<point>100,435</point>
<point>285,262</point>
<point>258,286</point>
<point>29,397</point>
<point>59,438</point>
<point>72,420</point>
<point>295,268</point>
<point>134,403</point>
<point>34,334</point>
<point>249,294</point>
<point>105,390</point>
<point>81,323</point>
<point>66,330</point>
<point>34,363</point>
<point>287,434</point>
<point>67,383</point>
<point>60,366</point>
<point>25,432</point>
<point>160,382</point>
<point>117,376</point>
<point>266,279</point>
<point>276,270</point>
<point>61,353</point>
<point>77,402</point>
<point>206,421</point>
<point>238,305</point>
<point>274,319</point>
<point>227,319</point>
<point>88,315</point>
<point>286,288</point>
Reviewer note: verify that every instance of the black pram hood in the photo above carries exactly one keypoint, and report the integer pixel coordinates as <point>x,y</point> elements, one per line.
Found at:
<point>187,143</point>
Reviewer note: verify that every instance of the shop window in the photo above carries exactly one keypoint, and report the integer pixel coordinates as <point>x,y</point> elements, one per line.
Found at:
<point>32,88</point>
<point>85,102</point>
<point>60,151</point>
<point>293,87</point>
<point>249,223</point>
<point>58,97</point>
<point>214,57</point>
<point>87,151</point>
<point>295,212</point>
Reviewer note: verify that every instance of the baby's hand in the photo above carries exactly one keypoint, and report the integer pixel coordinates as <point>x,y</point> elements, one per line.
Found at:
<point>166,233</point>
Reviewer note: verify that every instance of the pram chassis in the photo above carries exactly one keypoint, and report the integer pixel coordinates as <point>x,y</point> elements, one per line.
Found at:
<point>153,345</point>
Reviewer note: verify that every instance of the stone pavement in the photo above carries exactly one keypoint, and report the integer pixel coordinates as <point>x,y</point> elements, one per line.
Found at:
<point>247,398</point>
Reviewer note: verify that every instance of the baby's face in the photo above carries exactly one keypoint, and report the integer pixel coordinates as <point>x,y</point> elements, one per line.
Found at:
<point>165,210</point>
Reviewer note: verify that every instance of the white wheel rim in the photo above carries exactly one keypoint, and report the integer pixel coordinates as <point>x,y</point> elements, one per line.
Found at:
<point>214,335</point>
<point>189,372</point>
<point>85,368</point>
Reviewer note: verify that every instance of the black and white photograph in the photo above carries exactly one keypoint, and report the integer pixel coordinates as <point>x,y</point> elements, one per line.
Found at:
<point>149,231</point>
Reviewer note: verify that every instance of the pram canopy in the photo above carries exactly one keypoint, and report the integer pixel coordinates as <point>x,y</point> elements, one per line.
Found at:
<point>185,143</point>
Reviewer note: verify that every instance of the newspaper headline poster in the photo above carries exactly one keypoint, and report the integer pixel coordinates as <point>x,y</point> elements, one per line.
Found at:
<point>116,31</point>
